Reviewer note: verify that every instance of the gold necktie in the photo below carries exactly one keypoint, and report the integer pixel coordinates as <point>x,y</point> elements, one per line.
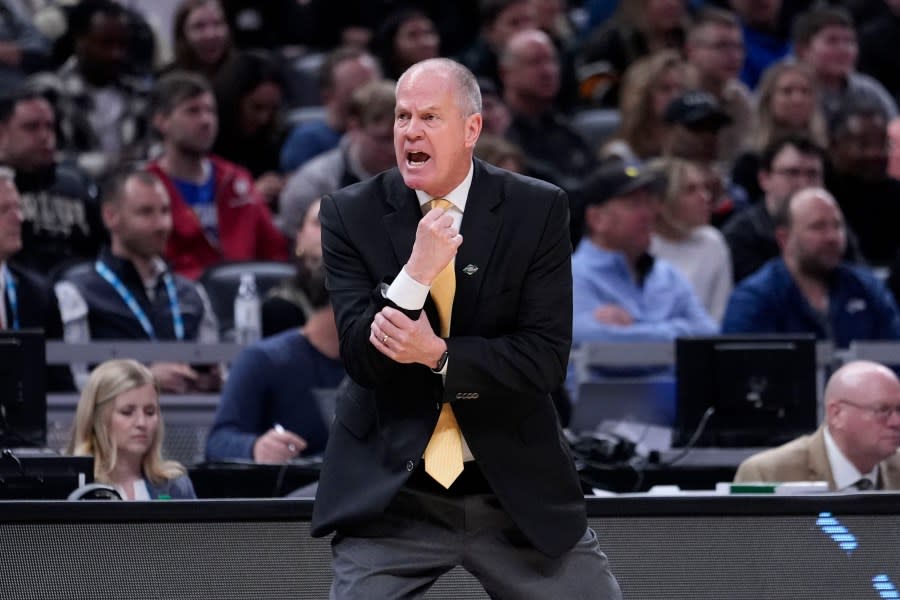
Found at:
<point>443,455</point>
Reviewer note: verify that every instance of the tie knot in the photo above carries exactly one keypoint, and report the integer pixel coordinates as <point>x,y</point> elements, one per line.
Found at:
<point>864,484</point>
<point>437,203</point>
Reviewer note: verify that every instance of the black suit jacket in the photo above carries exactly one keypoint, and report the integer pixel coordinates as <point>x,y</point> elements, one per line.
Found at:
<point>509,344</point>
<point>38,310</point>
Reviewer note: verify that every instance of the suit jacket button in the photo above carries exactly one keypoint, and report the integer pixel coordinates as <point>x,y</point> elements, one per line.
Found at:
<point>437,406</point>
<point>410,465</point>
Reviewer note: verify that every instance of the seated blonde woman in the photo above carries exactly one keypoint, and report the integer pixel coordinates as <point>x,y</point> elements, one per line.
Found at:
<point>785,106</point>
<point>118,423</point>
<point>649,86</point>
<point>684,237</point>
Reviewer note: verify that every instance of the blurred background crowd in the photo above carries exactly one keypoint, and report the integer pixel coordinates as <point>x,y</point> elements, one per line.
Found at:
<point>731,166</point>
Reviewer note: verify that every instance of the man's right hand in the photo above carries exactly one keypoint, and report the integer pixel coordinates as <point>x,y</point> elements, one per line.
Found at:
<point>436,243</point>
<point>277,446</point>
<point>612,314</point>
<point>174,378</point>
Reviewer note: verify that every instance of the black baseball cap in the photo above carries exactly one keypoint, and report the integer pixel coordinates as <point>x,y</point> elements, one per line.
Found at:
<point>698,111</point>
<point>617,178</point>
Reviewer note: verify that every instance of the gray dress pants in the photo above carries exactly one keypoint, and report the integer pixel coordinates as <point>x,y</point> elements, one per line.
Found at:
<point>422,535</point>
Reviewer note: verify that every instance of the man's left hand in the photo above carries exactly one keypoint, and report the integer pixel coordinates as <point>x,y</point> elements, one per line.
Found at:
<point>406,341</point>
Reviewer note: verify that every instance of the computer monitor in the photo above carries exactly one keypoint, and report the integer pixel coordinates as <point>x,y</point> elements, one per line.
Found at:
<point>649,400</point>
<point>41,474</point>
<point>762,389</point>
<point>23,395</point>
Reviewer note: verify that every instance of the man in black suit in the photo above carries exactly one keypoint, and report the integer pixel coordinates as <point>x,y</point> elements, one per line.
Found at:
<point>447,450</point>
<point>27,300</point>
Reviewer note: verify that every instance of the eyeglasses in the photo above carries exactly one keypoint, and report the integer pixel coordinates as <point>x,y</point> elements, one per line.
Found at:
<point>882,412</point>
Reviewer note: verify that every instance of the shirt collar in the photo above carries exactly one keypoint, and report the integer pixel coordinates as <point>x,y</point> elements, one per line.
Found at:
<point>457,196</point>
<point>844,472</point>
<point>159,267</point>
<point>127,272</point>
<point>604,257</point>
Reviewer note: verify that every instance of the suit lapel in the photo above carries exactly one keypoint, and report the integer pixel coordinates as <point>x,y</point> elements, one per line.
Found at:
<point>889,472</point>
<point>479,229</point>
<point>401,223</point>
<point>819,467</point>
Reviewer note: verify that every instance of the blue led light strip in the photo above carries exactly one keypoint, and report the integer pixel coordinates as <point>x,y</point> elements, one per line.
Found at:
<point>885,588</point>
<point>830,526</point>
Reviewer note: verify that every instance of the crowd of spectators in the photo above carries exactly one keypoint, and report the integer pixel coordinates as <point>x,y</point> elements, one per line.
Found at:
<point>748,147</point>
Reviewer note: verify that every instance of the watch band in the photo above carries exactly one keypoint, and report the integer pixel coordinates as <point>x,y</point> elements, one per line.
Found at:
<point>442,362</point>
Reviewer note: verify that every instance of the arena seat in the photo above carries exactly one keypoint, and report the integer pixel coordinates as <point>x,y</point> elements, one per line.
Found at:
<point>221,283</point>
<point>596,124</point>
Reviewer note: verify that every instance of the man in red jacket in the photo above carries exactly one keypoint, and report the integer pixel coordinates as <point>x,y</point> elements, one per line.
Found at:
<point>217,214</point>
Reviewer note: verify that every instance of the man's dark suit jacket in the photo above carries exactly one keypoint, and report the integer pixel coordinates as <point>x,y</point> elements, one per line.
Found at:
<point>509,344</point>
<point>38,310</point>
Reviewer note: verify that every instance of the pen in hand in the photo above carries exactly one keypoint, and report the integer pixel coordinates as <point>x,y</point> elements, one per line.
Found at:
<point>279,429</point>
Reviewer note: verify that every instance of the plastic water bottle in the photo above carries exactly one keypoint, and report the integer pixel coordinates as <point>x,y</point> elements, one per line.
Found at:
<point>247,325</point>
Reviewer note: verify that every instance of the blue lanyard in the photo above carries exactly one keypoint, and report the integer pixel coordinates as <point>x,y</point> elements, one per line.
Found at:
<point>12,296</point>
<point>128,298</point>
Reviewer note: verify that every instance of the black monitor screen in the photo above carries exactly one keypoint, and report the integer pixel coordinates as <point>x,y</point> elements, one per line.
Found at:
<point>23,396</point>
<point>762,389</point>
<point>40,474</point>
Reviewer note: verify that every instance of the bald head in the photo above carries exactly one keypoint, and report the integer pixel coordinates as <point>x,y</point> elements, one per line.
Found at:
<point>862,411</point>
<point>519,44</point>
<point>529,68</point>
<point>810,230</point>
<point>860,378</point>
<point>802,202</point>
<point>467,92</point>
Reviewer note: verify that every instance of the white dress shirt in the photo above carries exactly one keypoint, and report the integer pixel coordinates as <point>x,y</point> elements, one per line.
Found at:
<point>406,292</point>
<point>844,472</point>
<point>409,294</point>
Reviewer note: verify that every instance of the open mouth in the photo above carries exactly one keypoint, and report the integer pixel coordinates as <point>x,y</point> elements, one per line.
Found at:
<point>417,159</point>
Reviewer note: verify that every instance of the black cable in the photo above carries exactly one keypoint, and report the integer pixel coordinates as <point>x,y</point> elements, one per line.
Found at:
<point>279,480</point>
<point>639,465</point>
<point>7,453</point>
<point>636,463</point>
<point>693,439</point>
